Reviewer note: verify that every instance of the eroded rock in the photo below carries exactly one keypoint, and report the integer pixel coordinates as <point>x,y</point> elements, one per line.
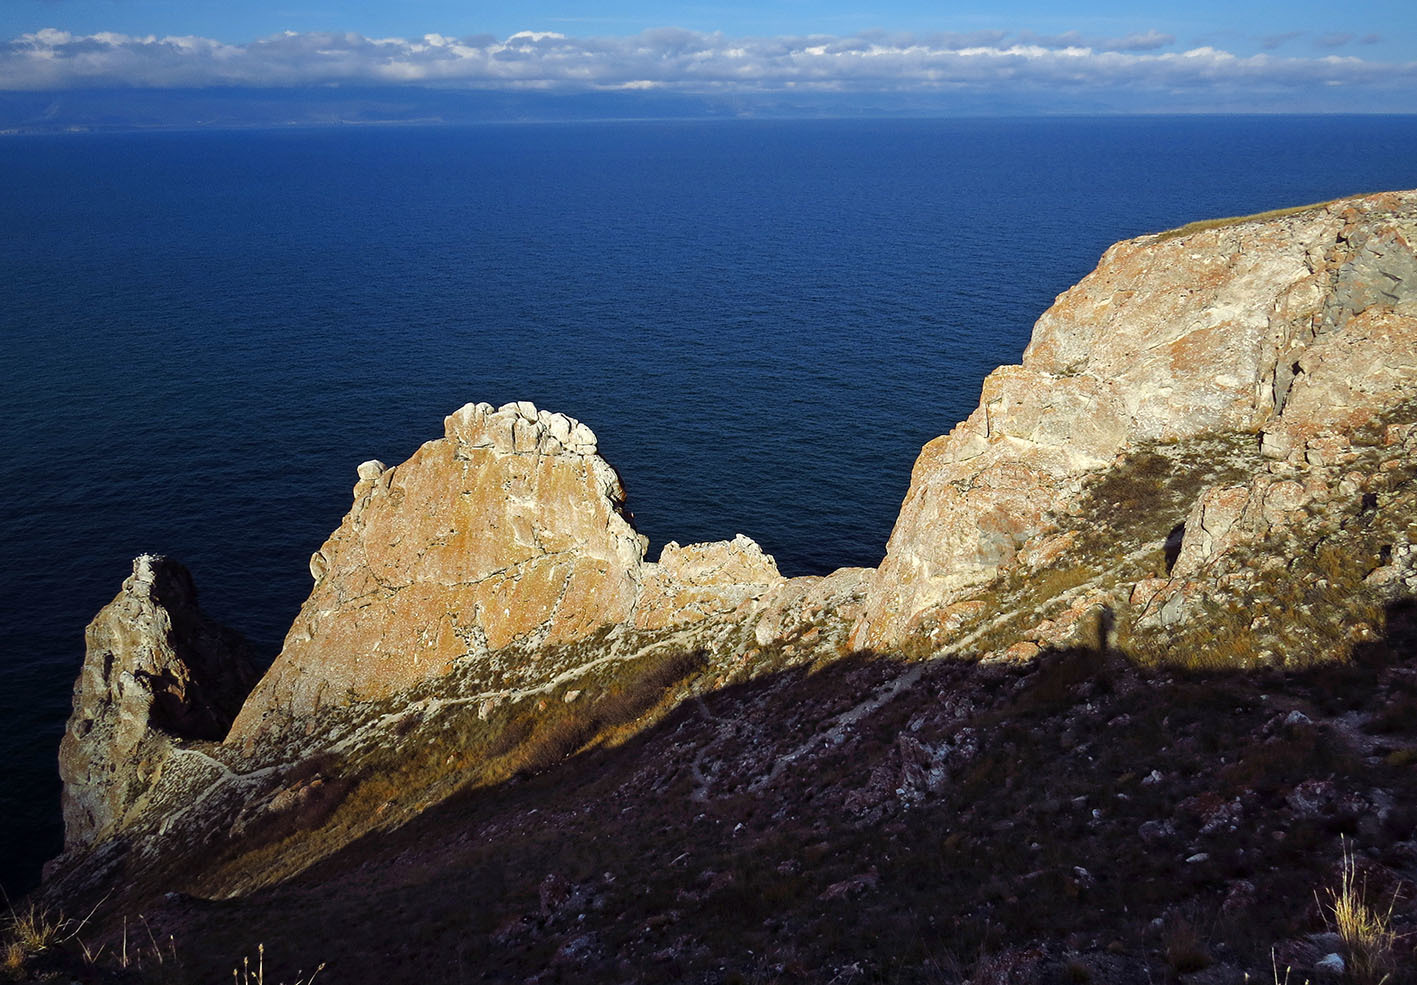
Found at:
<point>697,581</point>
<point>156,670</point>
<point>506,531</point>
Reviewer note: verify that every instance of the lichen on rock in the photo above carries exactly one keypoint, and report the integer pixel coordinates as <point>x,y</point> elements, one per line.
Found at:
<point>507,531</point>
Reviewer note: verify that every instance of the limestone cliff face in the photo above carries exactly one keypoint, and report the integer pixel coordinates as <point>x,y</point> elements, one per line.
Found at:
<point>156,670</point>
<point>508,530</point>
<point>1300,325</point>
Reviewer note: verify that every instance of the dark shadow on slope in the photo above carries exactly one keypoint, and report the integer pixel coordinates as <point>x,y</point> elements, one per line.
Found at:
<point>1097,810</point>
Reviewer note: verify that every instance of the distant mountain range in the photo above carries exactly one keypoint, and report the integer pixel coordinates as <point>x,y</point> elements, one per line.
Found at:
<point>237,107</point>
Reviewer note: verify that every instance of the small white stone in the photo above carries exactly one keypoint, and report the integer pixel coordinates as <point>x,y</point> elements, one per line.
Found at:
<point>1331,963</point>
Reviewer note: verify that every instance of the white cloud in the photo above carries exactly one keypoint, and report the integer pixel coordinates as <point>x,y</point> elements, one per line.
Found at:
<point>670,59</point>
<point>1143,41</point>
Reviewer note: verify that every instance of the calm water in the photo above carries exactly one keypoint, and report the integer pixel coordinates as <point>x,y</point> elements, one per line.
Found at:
<point>204,334</point>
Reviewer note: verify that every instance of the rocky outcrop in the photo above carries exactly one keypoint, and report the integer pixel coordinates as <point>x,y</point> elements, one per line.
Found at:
<point>508,528</point>
<point>156,671</point>
<point>1304,326</point>
<point>506,531</point>
<point>1243,377</point>
<point>698,581</point>
<point>1231,525</point>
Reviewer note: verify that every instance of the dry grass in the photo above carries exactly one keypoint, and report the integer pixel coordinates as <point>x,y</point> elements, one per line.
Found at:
<point>1053,582</point>
<point>1296,616</point>
<point>1140,499</point>
<point>988,860</point>
<point>1274,967</point>
<point>1366,930</point>
<point>34,930</point>
<point>1235,220</point>
<point>439,754</point>
<point>246,976</point>
<point>1183,946</point>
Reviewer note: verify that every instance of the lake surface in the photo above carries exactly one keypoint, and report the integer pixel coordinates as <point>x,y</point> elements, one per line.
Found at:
<point>205,333</point>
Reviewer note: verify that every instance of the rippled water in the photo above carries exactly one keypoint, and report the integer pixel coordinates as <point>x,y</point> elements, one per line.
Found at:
<point>204,333</point>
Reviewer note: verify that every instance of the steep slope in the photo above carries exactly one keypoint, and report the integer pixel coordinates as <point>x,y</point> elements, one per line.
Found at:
<point>1207,463</point>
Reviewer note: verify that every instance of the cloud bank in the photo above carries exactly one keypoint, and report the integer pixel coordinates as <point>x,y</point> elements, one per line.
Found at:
<point>674,60</point>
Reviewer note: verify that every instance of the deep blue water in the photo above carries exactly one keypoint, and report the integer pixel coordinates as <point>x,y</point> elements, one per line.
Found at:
<point>204,333</point>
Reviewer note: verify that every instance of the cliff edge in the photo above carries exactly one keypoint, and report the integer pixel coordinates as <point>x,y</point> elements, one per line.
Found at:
<point>1288,328</point>
<point>1206,463</point>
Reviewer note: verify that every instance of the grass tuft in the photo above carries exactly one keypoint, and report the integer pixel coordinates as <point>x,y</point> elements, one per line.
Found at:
<point>38,930</point>
<point>245,975</point>
<point>35,930</point>
<point>1366,930</point>
<point>1185,949</point>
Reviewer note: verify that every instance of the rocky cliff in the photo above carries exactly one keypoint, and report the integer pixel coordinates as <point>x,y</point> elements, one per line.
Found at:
<point>507,531</point>
<point>1207,461</point>
<point>157,671</point>
<point>1291,328</point>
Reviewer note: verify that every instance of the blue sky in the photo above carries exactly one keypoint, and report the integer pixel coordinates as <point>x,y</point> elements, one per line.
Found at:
<point>1295,55</point>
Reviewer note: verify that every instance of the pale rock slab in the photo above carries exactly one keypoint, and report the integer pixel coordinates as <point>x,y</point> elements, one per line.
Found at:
<point>697,581</point>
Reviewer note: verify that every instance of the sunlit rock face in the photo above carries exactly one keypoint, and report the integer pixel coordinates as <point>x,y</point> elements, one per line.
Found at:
<point>697,581</point>
<point>1296,326</point>
<point>155,670</point>
<point>507,530</point>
